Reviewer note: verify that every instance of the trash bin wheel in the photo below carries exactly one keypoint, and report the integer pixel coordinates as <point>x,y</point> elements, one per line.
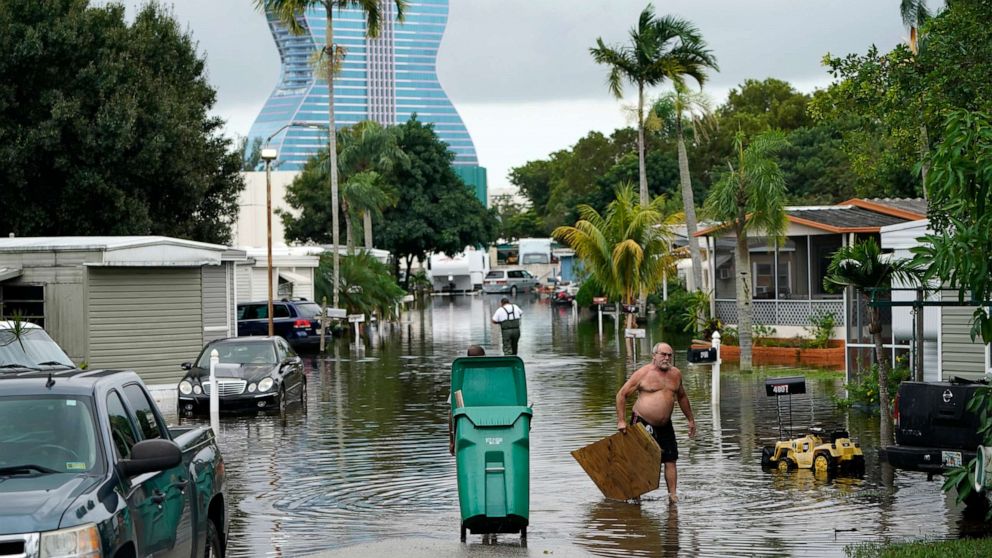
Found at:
<point>523,537</point>
<point>463,532</point>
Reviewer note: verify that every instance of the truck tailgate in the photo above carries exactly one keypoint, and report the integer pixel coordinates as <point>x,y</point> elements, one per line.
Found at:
<point>933,415</point>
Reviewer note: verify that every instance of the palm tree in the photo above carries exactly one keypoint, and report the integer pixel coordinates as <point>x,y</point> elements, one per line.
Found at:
<point>914,13</point>
<point>750,197</point>
<point>692,109</point>
<point>290,13</point>
<point>364,195</point>
<point>862,266</point>
<point>627,250</point>
<point>368,146</point>
<point>660,48</point>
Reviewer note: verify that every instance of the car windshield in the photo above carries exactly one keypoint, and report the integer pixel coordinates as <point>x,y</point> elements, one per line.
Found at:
<point>49,434</point>
<point>494,275</point>
<point>31,347</point>
<point>308,309</point>
<point>239,352</point>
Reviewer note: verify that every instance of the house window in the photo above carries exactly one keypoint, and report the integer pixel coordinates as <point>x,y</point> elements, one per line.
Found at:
<point>27,301</point>
<point>822,248</point>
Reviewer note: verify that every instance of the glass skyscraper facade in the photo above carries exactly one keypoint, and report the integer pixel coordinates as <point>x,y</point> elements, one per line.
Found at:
<point>387,79</point>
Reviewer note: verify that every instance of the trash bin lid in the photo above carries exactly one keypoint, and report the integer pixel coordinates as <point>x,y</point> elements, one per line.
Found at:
<point>490,381</point>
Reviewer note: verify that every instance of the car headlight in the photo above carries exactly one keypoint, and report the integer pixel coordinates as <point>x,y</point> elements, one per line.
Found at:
<point>265,385</point>
<point>251,388</point>
<point>75,542</point>
<point>197,389</point>
<point>185,387</point>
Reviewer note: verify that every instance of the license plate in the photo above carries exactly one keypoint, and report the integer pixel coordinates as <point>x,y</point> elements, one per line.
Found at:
<point>951,458</point>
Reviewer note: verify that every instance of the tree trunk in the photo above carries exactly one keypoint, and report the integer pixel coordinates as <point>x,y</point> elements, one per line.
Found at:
<point>348,230</point>
<point>689,206</point>
<point>742,262</point>
<point>406,280</point>
<point>875,329</point>
<point>641,167</point>
<point>367,226</point>
<point>332,144</point>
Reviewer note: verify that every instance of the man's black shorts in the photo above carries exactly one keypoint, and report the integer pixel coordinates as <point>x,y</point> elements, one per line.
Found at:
<point>664,435</point>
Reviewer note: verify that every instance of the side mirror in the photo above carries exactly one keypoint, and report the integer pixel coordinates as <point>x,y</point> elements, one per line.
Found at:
<point>151,455</point>
<point>186,365</point>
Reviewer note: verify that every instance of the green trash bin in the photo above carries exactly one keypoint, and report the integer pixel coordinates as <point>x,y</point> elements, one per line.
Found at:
<point>492,444</point>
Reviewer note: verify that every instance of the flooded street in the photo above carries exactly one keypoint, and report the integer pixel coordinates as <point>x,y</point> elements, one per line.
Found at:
<point>367,460</point>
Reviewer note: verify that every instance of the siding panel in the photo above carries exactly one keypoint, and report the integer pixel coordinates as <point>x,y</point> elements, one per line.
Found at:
<point>148,320</point>
<point>961,356</point>
<point>214,302</point>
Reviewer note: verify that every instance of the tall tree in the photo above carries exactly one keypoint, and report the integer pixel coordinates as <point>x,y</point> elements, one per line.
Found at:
<point>105,126</point>
<point>862,266</point>
<point>626,251</point>
<point>291,14</point>
<point>660,48</point>
<point>368,146</point>
<point>914,13</point>
<point>364,196</point>
<point>692,109</point>
<point>436,211</point>
<point>750,198</point>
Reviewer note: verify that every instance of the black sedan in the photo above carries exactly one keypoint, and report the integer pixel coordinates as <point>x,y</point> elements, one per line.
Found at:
<point>253,374</point>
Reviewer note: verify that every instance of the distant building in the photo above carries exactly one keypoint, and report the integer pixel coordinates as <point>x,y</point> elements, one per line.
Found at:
<point>387,80</point>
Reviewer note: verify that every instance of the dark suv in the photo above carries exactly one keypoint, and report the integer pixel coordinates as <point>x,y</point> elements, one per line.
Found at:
<point>296,321</point>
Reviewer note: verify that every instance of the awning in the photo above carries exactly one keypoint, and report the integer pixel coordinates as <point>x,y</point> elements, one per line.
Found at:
<point>7,273</point>
<point>293,277</point>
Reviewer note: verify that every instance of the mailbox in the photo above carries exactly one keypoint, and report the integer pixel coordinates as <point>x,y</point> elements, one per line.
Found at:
<point>701,356</point>
<point>785,386</point>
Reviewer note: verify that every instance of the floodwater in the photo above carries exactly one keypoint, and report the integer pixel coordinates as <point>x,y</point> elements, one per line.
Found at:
<point>367,460</point>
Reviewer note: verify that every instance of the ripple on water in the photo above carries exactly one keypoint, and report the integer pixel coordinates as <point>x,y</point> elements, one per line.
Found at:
<point>369,459</point>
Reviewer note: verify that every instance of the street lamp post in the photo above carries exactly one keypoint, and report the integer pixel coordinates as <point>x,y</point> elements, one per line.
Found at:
<point>334,198</point>
<point>268,155</point>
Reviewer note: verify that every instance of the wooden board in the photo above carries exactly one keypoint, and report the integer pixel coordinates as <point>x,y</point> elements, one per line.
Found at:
<point>623,466</point>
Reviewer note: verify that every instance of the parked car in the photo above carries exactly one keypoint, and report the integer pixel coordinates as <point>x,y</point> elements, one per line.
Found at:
<point>510,281</point>
<point>296,321</point>
<point>24,345</point>
<point>89,468</point>
<point>253,373</point>
<point>934,431</point>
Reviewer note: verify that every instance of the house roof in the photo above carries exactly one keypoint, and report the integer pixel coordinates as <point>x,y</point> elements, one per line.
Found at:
<point>123,251</point>
<point>852,216</point>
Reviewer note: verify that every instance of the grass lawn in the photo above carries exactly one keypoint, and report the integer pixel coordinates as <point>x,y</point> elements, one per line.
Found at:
<point>964,548</point>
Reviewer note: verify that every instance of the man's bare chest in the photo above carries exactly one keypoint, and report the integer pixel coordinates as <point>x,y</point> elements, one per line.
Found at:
<point>658,383</point>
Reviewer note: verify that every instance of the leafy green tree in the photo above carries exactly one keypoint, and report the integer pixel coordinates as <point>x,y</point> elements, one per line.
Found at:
<point>364,195</point>
<point>863,266</point>
<point>516,221</point>
<point>436,211</point>
<point>104,126</point>
<point>750,198</point>
<point>291,14</point>
<point>896,98</point>
<point>626,251</point>
<point>660,48</point>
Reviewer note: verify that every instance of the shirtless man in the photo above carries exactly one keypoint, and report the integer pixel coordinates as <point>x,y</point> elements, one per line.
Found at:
<point>658,386</point>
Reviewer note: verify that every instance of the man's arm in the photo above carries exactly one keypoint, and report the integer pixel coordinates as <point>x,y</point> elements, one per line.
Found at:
<point>630,386</point>
<point>496,314</point>
<point>683,398</point>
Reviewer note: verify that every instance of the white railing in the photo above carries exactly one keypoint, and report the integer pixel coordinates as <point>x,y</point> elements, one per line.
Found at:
<point>782,312</point>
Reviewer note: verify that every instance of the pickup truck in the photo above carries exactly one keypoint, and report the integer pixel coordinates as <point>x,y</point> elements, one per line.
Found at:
<point>934,431</point>
<point>89,468</point>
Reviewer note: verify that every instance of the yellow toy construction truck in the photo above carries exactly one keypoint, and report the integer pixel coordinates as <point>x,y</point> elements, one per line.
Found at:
<point>836,454</point>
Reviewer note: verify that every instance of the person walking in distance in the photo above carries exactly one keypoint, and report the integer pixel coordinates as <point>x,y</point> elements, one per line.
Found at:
<point>508,317</point>
<point>658,386</point>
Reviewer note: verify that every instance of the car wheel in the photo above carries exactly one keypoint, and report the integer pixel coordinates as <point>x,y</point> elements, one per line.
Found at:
<point>213,548</point>
<point>784,464</point>
<point>513,291</point>
<point>766,458</point>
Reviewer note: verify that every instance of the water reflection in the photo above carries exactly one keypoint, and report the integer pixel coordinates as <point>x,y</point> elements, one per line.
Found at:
<point>368,460</point>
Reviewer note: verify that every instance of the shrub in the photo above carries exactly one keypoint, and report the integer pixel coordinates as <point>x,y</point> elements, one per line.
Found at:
<point>864,391</point>
<point>821,331</point>
<point>674,312</point>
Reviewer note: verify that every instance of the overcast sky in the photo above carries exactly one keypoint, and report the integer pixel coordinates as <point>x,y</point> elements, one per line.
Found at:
<point>519,71</point>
